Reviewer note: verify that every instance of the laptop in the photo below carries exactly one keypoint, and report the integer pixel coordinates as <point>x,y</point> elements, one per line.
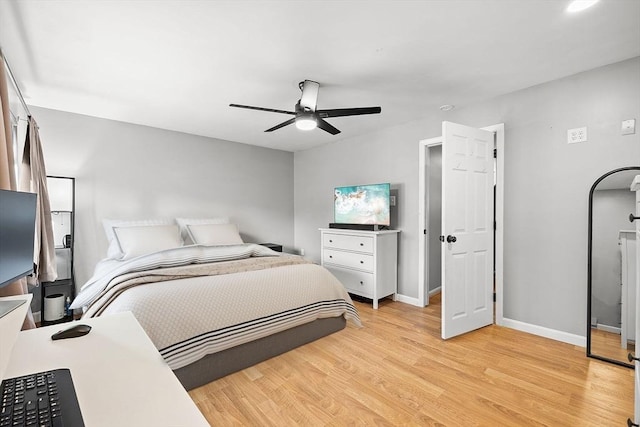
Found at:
<point>42,398</point>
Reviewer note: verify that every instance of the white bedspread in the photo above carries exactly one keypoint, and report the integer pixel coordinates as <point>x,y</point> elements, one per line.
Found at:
<point>108,269</point>
<point>247,298</point>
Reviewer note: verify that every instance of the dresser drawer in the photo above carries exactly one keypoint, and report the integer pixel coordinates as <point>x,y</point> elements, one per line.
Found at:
<point>349,259</point>
<point>356,282</point>
<point>348,243</point>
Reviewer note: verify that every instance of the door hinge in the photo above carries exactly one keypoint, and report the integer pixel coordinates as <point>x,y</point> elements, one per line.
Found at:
<point>425,231</point>
<point>442,238</point>
<point>495,153</point>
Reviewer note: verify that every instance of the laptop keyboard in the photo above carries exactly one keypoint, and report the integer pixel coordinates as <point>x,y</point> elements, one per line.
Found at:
<point>41,399</point>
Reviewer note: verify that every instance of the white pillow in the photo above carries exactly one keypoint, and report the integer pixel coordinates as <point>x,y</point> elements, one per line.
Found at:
<point>114,251</point>
<point>183,222</point>
<point>146,239</point>
<point>214,234</point>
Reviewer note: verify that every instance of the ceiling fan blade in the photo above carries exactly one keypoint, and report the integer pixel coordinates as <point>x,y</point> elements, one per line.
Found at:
<point>281,125</point>
<point>326,126</point>
<point>342,112</point>
<point>309,98</point>
<point>249,107</point>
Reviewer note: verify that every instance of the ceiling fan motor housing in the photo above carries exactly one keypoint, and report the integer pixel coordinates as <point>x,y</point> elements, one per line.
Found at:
<point>309,97</point>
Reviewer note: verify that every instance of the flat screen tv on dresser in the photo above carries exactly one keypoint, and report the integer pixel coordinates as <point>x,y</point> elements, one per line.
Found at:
<point>363,207</point>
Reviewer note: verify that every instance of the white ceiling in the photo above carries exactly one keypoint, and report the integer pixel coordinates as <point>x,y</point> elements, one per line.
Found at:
<point>178,64</point>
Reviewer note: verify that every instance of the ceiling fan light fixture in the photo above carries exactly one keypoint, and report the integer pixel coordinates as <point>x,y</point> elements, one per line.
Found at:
<point>305,114</point>
<point>306,122</point>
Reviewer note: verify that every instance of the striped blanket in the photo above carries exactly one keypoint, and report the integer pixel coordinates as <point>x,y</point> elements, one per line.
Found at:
<point>199,300</point>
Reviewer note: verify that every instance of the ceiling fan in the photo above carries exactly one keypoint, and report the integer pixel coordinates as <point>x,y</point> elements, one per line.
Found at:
<point>307,117</point>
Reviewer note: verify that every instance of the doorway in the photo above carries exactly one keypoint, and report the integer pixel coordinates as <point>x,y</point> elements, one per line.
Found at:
<point>430,196</point>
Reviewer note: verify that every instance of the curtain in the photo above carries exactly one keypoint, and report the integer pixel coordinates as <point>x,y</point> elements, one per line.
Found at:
<point>33,179</point>
<point>8,180</point>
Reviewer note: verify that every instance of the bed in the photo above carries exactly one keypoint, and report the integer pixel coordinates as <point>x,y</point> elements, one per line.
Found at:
<point>215,309</point>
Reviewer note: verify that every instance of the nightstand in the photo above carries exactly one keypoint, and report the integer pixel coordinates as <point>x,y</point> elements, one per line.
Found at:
<point>273,246</point>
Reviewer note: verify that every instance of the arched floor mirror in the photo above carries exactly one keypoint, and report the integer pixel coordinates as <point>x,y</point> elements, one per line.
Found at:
<point>611,268</point>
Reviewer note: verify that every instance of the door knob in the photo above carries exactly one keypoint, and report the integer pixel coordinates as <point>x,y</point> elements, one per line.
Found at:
<point>631,423</point>
<point>633,217</point>
<point>451,239</point>
<point>631,358</point>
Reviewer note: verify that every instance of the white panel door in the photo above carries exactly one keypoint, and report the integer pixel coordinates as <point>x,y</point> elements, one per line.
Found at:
<point>467,227</point>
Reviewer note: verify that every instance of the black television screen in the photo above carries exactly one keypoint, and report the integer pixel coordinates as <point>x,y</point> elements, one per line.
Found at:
<point>17,229</point>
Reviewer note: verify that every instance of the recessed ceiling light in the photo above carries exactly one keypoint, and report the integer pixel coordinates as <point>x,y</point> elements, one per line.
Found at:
<point>579,5</point>
<point>447,107</point>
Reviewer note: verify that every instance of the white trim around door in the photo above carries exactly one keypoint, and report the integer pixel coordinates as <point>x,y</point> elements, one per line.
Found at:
<point>423,208</point>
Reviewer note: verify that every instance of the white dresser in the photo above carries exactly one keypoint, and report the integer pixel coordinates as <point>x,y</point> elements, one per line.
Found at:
<point>366,262</point>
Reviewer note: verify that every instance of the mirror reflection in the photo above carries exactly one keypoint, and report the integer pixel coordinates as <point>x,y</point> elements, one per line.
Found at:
<point>612,268</point>
<point>61,202</point>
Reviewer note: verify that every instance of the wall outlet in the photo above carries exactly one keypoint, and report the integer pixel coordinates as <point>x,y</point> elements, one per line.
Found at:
<point>576,135</point>
<point>629,127</point>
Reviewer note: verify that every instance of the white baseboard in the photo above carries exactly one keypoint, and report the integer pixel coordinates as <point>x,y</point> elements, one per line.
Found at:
<point>607,328</point>
<point>516,324</point>
<point>545,332</point>
<point>408,300</point>
<point>415,301</point>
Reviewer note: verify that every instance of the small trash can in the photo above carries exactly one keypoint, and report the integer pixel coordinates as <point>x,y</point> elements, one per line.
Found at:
<point>53,307</point>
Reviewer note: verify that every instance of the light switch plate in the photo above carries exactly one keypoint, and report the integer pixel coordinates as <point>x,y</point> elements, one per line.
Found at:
<point>629,127</point>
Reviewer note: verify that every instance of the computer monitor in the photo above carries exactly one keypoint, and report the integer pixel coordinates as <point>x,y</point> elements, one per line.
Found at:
<point>17,231</point>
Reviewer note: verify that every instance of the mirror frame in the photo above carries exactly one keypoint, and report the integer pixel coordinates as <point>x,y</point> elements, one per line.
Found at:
<point>589,266</point>
<point>73,223</point>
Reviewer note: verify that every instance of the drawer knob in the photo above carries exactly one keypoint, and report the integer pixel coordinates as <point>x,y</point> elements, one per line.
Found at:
<point>361,262</point>
<point>361,244</point>
<point>330,241</point>
<point>330,256</point>
<point>361,282</point>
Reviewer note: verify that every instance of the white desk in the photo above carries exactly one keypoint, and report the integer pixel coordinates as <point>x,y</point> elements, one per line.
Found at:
<point>119,376</point>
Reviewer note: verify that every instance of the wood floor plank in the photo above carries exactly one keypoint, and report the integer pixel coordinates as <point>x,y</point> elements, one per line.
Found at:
<point>396,370</point>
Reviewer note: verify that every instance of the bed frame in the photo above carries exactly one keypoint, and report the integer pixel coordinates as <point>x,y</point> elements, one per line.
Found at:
<point>218,365</point>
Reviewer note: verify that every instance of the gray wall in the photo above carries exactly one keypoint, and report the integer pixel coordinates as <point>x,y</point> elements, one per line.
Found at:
<point>611,210</point>
<point>126,171</point>
<point>546,190</point>
<point>388,156</point>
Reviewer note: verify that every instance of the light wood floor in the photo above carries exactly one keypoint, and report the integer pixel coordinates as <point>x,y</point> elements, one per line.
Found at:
<point>397,371</point>
<point>607,344</point>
